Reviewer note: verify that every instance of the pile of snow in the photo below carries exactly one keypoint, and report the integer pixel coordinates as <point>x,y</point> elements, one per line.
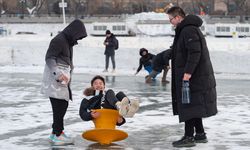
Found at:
<point>147,16</point>
<point>132,20</point>
<point>229,55</point>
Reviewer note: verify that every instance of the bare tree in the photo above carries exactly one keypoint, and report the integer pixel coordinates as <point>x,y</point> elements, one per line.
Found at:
<point>177,2</point>
<point>148,5</point>
<point>241,8</point>
<point>94,5</point>
<point>193,5</point>
<point>78,7</point>
<point>247,8</point>
<point>240,5</point>
<point>47,6</point>
<point>2,9</point>
<point>9,6</point>
<point>37,4</point>
<point>117,5</point>
<point>143,5</point>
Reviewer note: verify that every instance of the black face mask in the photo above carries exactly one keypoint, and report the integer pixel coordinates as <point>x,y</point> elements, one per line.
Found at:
<point>72,43</point>
<point>75,42</point>
<point>80,38</point>
<point>146,55</point>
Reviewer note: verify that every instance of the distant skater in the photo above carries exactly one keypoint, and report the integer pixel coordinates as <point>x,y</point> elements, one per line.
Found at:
<point>111,44</point>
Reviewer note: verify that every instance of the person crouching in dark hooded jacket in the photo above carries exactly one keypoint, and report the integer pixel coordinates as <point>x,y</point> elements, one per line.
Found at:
<point>145,61</point>
<point>160,62</point>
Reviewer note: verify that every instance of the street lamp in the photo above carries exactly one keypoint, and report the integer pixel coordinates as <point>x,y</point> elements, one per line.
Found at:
<point>63,5</point>
<point>22,4</point>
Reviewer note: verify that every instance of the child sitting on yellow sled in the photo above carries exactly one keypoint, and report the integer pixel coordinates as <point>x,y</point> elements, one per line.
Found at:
<point>97,98</point>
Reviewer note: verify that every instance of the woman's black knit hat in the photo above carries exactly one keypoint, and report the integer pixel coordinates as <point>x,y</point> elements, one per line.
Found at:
<point>108,32</point>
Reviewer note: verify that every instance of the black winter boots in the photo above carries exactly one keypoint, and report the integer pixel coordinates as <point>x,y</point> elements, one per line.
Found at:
<point>185,141</point>
<point>200,138</point>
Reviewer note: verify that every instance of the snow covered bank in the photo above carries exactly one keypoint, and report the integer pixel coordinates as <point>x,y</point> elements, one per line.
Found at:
<point>229,55</point>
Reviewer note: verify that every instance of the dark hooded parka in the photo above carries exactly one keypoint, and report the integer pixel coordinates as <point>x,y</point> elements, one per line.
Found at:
<point>110,48</point>
<point>59,59</point>
<point>145,60</point>
<point>190,55</point>
<point>161,60</point>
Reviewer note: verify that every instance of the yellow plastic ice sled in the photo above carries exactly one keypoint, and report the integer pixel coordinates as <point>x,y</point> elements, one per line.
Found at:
<point>105,132</point>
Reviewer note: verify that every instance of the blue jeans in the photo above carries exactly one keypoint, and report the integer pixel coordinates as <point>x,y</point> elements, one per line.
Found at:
<point>149,69</point>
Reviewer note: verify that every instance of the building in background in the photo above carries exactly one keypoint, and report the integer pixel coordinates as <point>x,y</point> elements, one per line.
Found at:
<point>79,8</point>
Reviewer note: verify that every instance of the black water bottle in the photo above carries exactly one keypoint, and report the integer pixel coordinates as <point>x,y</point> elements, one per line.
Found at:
<point>185,92</point>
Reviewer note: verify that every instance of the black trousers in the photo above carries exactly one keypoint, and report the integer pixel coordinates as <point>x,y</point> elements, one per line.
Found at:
<point>59,108</point>
<point>193,124</point>
<point>111,99</point>
<point>107,61</point>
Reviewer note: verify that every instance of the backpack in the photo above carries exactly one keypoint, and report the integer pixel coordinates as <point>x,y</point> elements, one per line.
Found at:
<point>116,43</point>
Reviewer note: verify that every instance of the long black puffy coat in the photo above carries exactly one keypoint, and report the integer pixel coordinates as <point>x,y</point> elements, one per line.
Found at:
<point>190,55</point>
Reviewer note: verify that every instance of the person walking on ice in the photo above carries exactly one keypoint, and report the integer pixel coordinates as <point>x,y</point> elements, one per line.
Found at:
<point>111,44</point>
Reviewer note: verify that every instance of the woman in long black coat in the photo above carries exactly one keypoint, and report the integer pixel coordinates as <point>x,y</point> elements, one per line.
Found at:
<point>191,62</point>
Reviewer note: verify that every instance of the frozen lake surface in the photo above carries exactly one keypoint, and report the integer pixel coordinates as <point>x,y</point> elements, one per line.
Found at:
<point>26,116</point>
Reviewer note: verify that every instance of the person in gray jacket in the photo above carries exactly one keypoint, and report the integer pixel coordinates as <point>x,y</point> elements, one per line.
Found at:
<point>57,77</point>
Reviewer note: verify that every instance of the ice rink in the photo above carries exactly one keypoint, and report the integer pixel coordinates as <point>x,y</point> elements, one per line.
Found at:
<point>26,116</point>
